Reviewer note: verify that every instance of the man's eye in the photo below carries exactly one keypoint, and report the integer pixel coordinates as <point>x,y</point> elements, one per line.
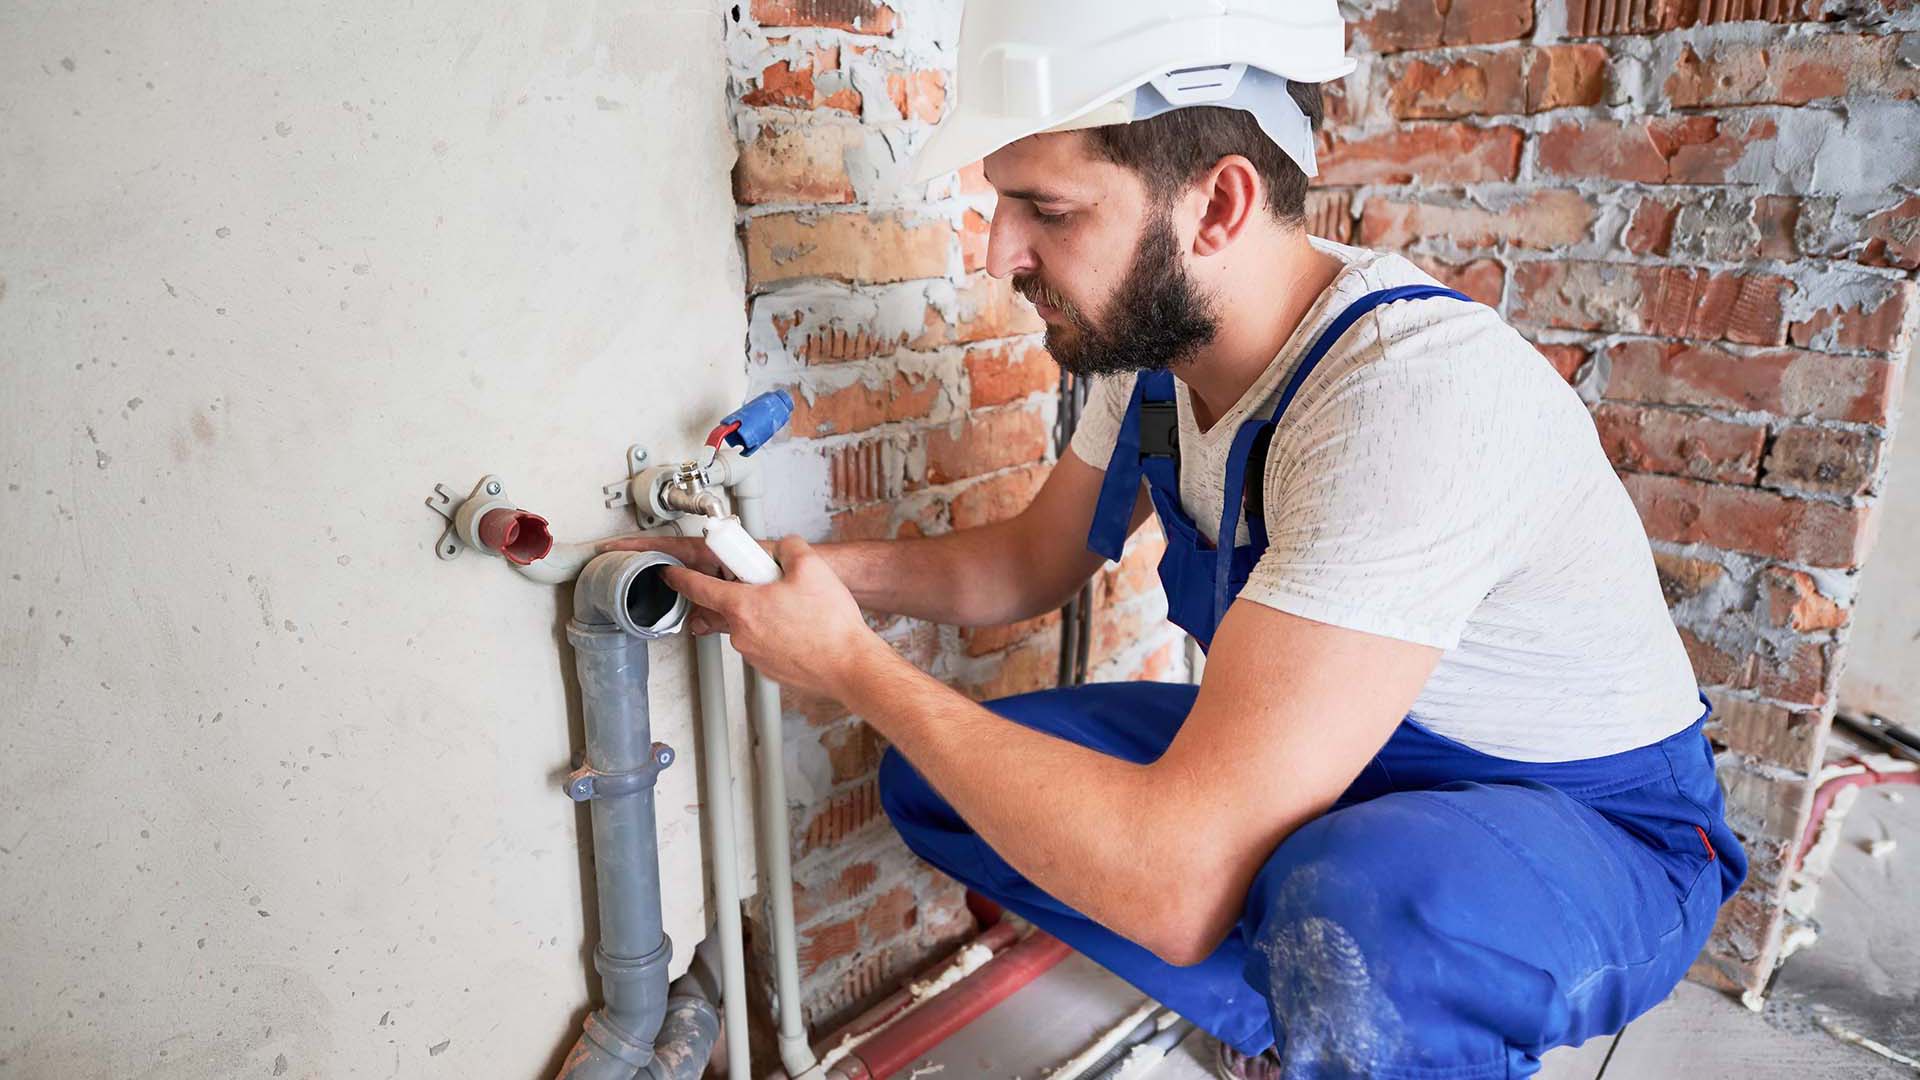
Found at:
<point>1049,218</point>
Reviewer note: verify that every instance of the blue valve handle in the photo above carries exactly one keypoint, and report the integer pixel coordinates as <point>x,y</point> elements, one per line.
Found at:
<point>758,421</point>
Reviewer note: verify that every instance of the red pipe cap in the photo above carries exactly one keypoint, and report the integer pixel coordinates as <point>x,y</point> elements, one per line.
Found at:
<point>520,536</point>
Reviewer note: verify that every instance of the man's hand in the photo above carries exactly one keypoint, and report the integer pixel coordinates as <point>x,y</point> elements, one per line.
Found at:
<point>804,631</point>
<point>691,550</point>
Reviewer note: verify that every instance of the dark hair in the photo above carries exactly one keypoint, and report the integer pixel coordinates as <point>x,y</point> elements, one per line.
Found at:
<point>1175,148</point>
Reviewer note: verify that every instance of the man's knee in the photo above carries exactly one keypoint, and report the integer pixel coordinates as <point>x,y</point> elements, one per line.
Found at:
<point>1366,947</point>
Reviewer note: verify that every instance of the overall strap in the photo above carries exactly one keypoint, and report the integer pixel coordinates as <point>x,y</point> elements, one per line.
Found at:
<point>1243,440</point>
<point>1113,513</point>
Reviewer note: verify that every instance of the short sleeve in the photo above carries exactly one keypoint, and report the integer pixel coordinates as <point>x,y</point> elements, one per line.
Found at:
<point>1401,495</point>
<point>1099,429</point>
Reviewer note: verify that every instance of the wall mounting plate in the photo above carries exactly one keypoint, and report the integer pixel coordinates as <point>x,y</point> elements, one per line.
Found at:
<point>445,503</point>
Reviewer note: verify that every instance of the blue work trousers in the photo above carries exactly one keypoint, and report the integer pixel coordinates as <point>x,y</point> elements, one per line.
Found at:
<point>1454,915</point>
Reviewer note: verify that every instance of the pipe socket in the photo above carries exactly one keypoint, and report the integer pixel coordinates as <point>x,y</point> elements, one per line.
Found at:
<point>628,590</point>
<point>522,537</point>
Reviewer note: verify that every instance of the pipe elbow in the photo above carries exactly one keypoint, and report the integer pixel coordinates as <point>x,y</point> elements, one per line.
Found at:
<point>628,590</point>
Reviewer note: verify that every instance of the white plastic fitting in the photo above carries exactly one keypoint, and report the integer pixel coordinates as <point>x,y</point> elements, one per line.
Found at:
<point>740,553</point>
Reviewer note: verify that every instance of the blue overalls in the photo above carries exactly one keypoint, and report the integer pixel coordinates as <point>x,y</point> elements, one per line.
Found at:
<point>1453,915</point>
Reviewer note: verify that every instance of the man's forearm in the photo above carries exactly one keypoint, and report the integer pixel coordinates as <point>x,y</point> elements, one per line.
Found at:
<point>960,579</point>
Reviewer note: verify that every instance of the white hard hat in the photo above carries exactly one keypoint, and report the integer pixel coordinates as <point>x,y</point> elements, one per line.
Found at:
<point>1028,66</point>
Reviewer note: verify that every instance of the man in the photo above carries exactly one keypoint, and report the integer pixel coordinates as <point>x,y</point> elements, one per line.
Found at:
<point>1441,802</point>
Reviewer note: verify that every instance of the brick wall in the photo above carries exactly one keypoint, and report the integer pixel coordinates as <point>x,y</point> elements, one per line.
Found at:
<point>1706,215</point>
<point>1706,212</point>
<point>926,403</point>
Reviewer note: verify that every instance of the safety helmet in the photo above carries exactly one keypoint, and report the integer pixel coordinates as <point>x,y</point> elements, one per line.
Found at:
<point>1027,66</point>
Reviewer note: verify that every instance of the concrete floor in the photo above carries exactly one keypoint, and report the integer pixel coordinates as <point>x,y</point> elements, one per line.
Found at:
<point>1862,976</point>
<point>1697,1035</point>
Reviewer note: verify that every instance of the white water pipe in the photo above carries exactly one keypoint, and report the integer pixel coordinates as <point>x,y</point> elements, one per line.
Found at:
<point>716,754</point>
<point>742,477</point>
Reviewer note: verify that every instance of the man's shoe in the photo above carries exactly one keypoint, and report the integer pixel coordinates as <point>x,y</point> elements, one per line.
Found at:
<point>1231,1064</point>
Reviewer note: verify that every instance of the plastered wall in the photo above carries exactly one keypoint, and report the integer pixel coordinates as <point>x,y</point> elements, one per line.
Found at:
<point>1883,671</point>
<point>278,789</point>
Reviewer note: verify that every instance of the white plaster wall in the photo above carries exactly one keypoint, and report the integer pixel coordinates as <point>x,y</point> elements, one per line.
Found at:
<point>278,789</point>
<point>1883,658</point>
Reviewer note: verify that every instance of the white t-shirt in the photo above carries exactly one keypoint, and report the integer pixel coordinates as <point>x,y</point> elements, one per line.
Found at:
<point>1435,480</point>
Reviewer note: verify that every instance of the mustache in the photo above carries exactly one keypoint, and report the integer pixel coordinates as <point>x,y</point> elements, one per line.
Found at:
<point>1033,288</point>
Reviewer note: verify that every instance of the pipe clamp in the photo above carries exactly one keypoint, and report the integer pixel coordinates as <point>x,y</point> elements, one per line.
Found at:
<point>587,783</point>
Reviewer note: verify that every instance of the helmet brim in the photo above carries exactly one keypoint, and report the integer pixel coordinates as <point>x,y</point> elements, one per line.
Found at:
<point>968,135</point>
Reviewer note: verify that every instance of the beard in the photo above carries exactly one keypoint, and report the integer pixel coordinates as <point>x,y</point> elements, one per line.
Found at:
<point>1158,317</point>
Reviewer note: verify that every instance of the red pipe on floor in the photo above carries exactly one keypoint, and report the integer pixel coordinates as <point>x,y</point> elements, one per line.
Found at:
<point>1823,799</point>
<point>898,1046</point>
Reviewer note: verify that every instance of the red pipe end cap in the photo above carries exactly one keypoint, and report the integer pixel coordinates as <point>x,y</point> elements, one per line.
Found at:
<point>520,536</point>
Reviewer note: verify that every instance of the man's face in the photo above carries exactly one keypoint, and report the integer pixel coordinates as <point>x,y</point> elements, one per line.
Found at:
<point>1102,262</point>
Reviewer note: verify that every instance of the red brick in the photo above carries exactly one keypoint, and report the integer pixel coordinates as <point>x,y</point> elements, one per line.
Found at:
<point>1482,83</point>
<point>852,881</point>
<point>982,640</point>
<point>1399,25</point>
<point>998,374</point>
<point>1160,664</point>
<point>1666,301</point>
<point>1429,153</point>
<point>1775,734</point>
<point>853,751</point>
<point>867,471</point>
<point>986,442</point>
<point>1793,600</point>
<point>1750,520</point>
<point>784,86</point>
<point>1655,150</point>
<point>1791,71</point>
<point>997,498</point>
<point>1484,280</point>
<point>1545,219</point>
<point>807,163</point>
<point>985,307</point>
<point>1138,571</point>
<point>918,95</point>
<point>1882,323</point>
<point>1777,217</point>
<point>1893,236</point>
<point>1825,461</point>
<point>1568,360</point>
<point>1784,381</point>
<point>1680,444</point>
<point>859,407</point>
<point>1683,578</point>
<point>872,522</point>
<point>853,16</point>
<point>1801,676</point>
<point>867,249</point>
<point>821,946</point>
<point>1594,18</point>
<point>1650,232</point>
<point>891,915</point>
<point>1330,215</point>
<point>1118,629</point>
<point>825,342</point>
<point>1565,76</point>
<point>974,233</point>
<point>973,179</point>
<point>842,816</point>
<point>1032,666</point>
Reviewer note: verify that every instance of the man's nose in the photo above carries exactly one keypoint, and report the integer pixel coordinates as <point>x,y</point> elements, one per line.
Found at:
<point>1008,252</point>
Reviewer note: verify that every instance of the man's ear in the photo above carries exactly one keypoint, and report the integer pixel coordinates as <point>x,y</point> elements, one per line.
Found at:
<point>1233,194</point>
